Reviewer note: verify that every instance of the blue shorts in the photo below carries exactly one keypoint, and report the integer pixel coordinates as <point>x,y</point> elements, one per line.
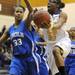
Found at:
<point>43,67</point>
<point>70,64</point>
<point>23,66</point>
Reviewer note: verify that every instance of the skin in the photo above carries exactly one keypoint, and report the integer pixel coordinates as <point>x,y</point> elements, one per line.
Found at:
<point>52,34</point>
<point>18,14</point>
<point>52,7</point>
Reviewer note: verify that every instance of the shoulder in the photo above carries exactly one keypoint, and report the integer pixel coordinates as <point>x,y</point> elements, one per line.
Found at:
<point>11,26</point>
<point>64,15</point>
<point>8,29</point>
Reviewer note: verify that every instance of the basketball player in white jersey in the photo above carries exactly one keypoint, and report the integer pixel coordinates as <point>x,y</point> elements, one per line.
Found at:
<point>56,38</point>
<point>59,35</point>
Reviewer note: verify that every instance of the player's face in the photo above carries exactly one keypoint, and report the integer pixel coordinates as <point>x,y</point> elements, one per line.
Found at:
<point>52,7</point>
<point>19,13</point>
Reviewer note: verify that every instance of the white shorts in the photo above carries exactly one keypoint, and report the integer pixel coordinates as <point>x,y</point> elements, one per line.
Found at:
<point>50,58</point>
<point>65,44</point>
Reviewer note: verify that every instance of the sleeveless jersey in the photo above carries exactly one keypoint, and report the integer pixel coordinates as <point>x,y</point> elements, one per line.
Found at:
<point>61,32</point>
<point>39,49</point>
<point>21,38</point>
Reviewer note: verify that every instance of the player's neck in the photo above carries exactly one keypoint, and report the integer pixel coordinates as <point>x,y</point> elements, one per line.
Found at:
<point>17,22</point>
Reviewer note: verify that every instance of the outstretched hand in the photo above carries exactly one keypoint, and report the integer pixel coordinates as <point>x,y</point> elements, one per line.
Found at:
<point>33,12</point>
<point>45,25</point>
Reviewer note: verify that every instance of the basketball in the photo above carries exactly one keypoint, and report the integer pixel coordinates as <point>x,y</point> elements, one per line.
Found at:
<point>40,17</point>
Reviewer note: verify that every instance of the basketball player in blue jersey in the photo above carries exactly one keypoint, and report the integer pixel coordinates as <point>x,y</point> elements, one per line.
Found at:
<point>43,66</point>
<point>24,61</point>
<point>70,59</point>
<point>40,51</point>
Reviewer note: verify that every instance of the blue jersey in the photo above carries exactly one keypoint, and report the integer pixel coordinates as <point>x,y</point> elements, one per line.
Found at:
<point>40,49</point>
<point>21,39</point>
<point>70,60</point>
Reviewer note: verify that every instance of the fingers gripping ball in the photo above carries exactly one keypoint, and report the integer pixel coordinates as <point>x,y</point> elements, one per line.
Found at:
<point>42,18</point>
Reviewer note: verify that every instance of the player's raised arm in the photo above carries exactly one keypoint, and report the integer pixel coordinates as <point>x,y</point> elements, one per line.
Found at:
<point>28,19</point>
<point>4,37</point>
<point>62,20</point>
<point>28,6</point>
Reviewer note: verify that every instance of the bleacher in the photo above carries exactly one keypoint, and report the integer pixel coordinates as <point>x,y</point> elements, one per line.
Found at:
<point>3,72</point>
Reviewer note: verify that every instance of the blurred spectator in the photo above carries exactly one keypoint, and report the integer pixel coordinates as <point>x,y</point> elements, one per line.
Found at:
<point>5,51</point>
<point>3,30</point>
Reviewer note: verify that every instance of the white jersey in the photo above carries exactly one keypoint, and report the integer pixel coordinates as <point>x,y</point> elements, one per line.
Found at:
<point>55,18</point>
<point>50,57</point>
<point>61,34</point>
<point>61,38</point>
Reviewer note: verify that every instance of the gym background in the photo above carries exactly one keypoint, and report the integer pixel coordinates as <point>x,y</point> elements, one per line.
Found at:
<point>6,10</point>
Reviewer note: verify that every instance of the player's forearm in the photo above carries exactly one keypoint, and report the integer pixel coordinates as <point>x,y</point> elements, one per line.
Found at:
<point>29,17</point>
<point>60,24</point>
<point>28,5</point>
<point>61,21</point>
<point>4,37</point>
<point>51,34</point>
<point>2,40</point>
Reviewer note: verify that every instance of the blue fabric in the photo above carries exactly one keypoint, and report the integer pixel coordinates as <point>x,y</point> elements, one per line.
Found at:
<point>73,42</point>
<point>70,61</point>
<point>70,64</point>
<point>43,68</point>
<point>21,39</point>
<point>22,66</point>
<point>41,51</point>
